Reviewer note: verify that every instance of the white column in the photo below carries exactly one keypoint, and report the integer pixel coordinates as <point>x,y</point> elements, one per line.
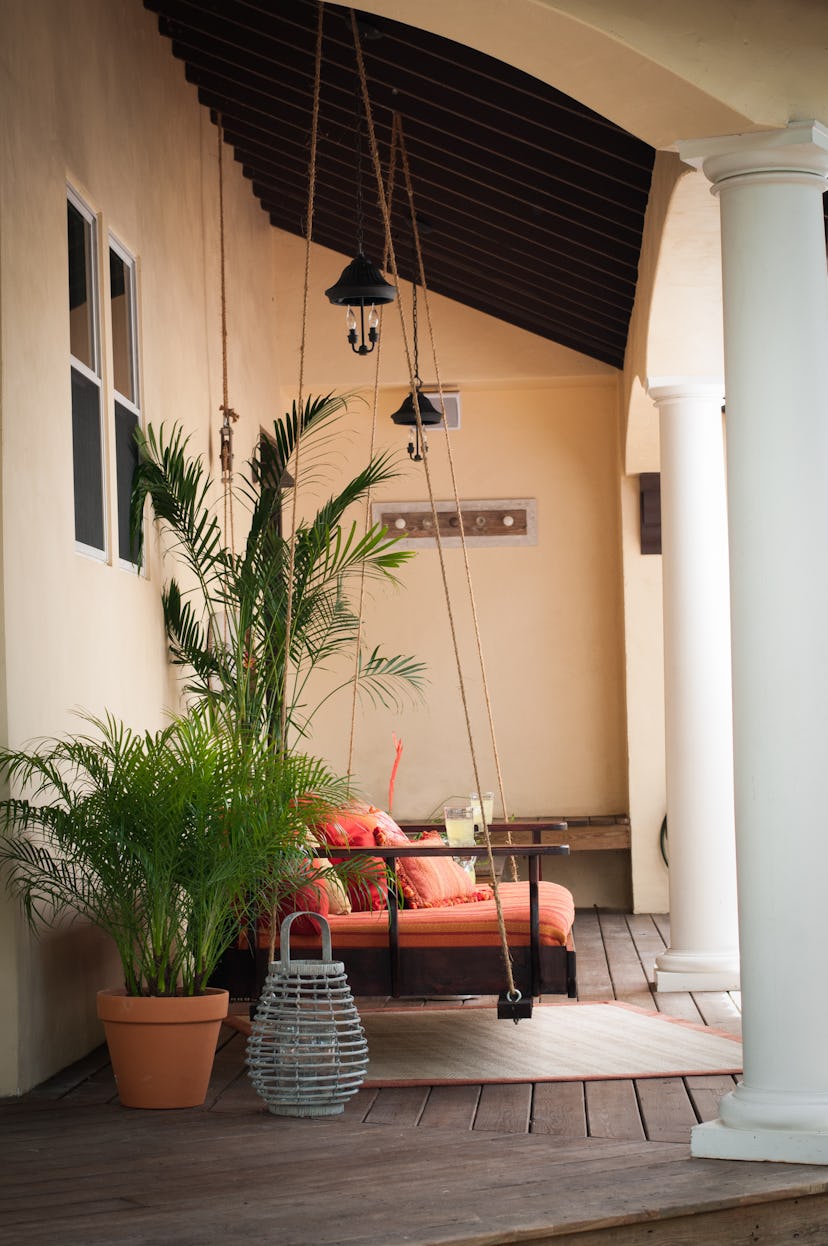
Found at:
<point>775,287</point>
<point>704,929</point>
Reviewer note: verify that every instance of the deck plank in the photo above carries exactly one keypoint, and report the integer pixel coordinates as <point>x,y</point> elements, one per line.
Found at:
<point>705,1093</point>
<point>612,1110</point>
<point>505,1108</point>
<point>647,940</point>
<point>629,980</point>
<point>666,1109</point>
<point>719,1011</point>
<point>558,1109</point>
<point>397,1105</point>
<point>451,1107</point>
<point>594,981</point>
<point>199,1180</point>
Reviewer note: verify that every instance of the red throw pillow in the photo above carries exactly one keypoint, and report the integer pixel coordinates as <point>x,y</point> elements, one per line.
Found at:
<point>313,897</point>
<point>430,882</point>
<point>369,892</point>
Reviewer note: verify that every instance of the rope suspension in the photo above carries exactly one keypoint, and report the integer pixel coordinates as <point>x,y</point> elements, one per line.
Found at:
<point>513,994</point>
<point>392,166</point>
<point>317,82</point>
<point>455,490</point>
<point>229,416</point>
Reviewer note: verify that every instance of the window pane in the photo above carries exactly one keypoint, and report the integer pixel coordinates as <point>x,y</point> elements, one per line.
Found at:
<point>81,304</point>
<point>121,296</point>
<point>126,461</point>
<point>86,454</point>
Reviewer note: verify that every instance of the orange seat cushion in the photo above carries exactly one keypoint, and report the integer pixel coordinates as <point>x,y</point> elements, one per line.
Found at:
<point>462,925</point>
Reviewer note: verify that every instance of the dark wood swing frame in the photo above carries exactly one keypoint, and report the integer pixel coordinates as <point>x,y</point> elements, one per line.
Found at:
<point>396,971</point>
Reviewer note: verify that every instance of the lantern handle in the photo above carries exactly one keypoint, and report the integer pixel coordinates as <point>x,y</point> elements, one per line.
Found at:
<point>284,937</point>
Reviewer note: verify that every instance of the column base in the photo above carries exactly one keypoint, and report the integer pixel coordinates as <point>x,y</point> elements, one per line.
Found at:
<point>715,1140</point>
<point>667,980</point>
<point>697,971</point>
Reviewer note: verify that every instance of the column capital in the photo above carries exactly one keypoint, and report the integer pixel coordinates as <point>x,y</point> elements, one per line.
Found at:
<point>799,152</point>
<point>666,390</point>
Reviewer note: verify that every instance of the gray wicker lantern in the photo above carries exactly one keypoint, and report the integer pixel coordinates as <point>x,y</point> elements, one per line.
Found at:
<point>307,1053</point>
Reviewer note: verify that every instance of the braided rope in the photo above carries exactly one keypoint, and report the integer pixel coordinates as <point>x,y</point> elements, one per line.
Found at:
<point>392,166</point>
<point>308,240</point>
<point>507,959</point>
<point>466,564</point>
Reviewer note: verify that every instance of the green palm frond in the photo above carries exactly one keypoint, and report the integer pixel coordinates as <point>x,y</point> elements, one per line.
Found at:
<point>229,632</point>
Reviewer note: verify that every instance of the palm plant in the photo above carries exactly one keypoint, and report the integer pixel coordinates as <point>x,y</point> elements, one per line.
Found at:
<point>229,629</point>
<point>165,840</point>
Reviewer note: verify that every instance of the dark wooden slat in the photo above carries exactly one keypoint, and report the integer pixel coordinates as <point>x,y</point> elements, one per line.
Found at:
<point>68,1079</point>
<point>628,977</point>
<point>705,1093</point>
<point>594,981</point>
<point>612,1110</point>
<point>666,1109</point>
<point>452,1107</point>
<point>505,1108</point>
<point>558,1110</point>
<point>360,1104</point>
<point>99,1088</point>
<point>398,1105</point>
<point>646,939</point>
<point>678,1004</point>
<point>719,1011</point>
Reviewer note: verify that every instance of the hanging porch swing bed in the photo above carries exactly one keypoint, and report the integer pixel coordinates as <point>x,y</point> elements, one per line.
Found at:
<point>416,924</point>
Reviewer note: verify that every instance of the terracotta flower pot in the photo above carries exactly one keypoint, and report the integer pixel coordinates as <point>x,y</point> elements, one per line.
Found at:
<point>162,1049</point>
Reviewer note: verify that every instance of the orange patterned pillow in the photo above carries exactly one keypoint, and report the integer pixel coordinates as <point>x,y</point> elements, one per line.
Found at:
<point>430,882</point>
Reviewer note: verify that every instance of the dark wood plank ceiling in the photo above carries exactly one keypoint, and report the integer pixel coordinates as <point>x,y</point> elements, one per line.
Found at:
<point>532,206</point>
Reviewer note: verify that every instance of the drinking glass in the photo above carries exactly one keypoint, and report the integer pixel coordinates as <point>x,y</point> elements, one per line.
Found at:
<point>459,820</point>
<point>487,808</point>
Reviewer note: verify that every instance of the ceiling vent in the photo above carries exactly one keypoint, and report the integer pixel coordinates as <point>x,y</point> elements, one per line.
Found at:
<point>450,406</point>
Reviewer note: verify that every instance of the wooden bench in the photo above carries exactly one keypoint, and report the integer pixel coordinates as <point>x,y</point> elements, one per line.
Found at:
<point>582,833</point>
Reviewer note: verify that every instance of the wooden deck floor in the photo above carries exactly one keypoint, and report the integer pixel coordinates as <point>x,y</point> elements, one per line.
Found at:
<point>559,1163</point>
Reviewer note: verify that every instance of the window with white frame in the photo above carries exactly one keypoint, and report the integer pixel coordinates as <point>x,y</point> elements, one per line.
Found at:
<point>95,323</point>
<point>124,326</point>
<point>85,349</point>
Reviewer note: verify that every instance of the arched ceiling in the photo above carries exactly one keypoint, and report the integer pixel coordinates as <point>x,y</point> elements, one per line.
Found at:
<point>532,204</point>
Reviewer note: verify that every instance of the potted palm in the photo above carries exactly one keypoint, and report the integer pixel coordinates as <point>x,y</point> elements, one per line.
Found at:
<point>229,630</point>
<point>163,840</point>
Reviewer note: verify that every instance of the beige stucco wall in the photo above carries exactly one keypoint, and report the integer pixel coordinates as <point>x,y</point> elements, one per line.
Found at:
<point>98,102</point>
<point>538,421</point>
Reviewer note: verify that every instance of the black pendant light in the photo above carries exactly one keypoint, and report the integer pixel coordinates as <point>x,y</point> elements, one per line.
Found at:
<point>361,284</point>
<point>417,401</point>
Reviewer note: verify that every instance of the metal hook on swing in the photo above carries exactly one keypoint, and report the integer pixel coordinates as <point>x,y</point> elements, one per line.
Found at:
<point>511,1006</point>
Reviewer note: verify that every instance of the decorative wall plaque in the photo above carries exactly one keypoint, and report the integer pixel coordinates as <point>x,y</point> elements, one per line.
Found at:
<point>507,521</point>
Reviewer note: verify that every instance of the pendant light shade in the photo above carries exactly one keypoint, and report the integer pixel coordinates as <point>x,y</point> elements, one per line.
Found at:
<point>361,283</point>
<point>406,415</point>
